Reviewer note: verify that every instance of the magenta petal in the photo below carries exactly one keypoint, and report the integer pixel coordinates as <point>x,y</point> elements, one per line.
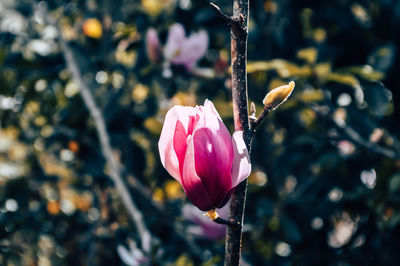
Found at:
<point>241,167</point>
<point>192,184</point>
<point>213,163</point>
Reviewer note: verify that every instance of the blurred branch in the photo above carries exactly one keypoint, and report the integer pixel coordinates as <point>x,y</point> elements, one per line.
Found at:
<point>353,135</point>
<point>356,137</point>
<point>115,172</point>
<point>95,113</point>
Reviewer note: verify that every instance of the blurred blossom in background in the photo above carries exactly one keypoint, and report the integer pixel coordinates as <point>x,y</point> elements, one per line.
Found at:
<point>202,226</point>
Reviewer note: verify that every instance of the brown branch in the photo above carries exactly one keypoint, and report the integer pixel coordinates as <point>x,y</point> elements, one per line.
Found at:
<point>238,26</point>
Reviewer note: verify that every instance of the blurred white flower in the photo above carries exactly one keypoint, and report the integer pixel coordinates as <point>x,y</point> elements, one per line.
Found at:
<point>344,228</point>
<point>336,194</point>
<point>41,47</point>
<point>12,21</point>
<point>132,256</point>
<point>283,249</point>
<point>368,178</point>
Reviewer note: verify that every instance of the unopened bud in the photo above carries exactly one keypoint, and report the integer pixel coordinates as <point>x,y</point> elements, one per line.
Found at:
<point>212,214</point>
<point>252,108</point>
<point>153,46</point>
<point>278,95</point>
<point>253,112</point>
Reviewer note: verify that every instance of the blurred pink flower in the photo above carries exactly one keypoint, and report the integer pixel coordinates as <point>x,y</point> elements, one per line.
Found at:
<point>153,46</point>
<point>182,50</point>
<point>203,226</point>
<point>179,49</point>
<point>197,149</point>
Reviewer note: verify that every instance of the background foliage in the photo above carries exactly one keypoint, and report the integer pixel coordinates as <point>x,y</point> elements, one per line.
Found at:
<point>326,179</point>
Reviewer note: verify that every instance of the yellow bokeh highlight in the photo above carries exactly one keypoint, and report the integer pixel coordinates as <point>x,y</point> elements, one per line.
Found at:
<point>92,28</point>
<point>154,7</point>
<point>140,93</point>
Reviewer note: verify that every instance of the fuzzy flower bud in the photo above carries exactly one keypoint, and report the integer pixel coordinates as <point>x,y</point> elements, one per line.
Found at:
<point>153,46</point>
<point>279,95</point>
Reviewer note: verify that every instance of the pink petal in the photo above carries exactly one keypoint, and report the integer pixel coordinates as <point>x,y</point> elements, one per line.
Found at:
<point>193,49</point>
<point>184,129</point>
<point>192,184</point>
<point>204,228</point>
<point>169,158</point>
<point>175,41</point>
<point>224,211</point>
<point>208,105</point>
<point>241,167</point>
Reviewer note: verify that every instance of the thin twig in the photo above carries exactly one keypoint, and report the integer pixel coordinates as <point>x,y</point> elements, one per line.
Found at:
<point>220,220</point>
<point>257,121</point>
<point>220,13</point>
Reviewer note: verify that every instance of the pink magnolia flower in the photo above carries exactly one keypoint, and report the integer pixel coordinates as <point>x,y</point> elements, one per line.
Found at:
<point>203,226</point>
<point>179,49</point>
<point>182,50</point>
<point>197,150</point>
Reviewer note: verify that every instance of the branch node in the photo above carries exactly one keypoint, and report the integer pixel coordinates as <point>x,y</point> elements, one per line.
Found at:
<point>236,23</point>
<point>255,122</point>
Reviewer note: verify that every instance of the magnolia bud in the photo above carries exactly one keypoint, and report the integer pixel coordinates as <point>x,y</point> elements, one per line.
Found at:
<point>278,95</point>
<point>153,46</point>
